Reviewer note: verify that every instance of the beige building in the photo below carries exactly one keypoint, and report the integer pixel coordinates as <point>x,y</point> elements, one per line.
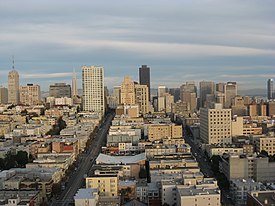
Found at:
<point>127,91</point>
<point>215,125</point>
<point>230,91</point>
<point>30,94</point>
<point>164,131</point>
<point>107,185</point>
<point>198,196</point>
<point>3,95</point>
<point>248,166</point>
<point>142,98</point>
<point>240,128</point>
<point>267,144</point>
<point>13,87</point>
<point>93,89</point>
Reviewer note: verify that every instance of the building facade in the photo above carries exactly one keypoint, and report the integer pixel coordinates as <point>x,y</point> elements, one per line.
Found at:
<point>93,89</point>
<point>59,90</point>
<point>30,94</point>
<point>144,77</point>
<point>13,87</point>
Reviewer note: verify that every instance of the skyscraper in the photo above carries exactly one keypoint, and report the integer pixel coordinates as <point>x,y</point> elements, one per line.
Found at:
<point>74,84</point>
<point>93,89</point>
<point>30,94</point>
<point>206,88</point>
<point>231,91</point>
<point>161,91</point>
<point>144,77</point>
<point>127,91</point>
<point>270,89</point>
<point>188,94</point>
<point>13,86</point>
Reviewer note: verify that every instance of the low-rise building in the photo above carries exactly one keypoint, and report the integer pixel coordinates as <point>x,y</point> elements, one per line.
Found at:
<point>87,197</point>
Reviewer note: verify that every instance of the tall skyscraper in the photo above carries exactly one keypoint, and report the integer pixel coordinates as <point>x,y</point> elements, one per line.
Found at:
<point>93,89</point>
<point>206,88</point>
<point>144,77</point>
<point>3,95</point>
<point>231,91</point>
<point>188,94</point>
<point>161,91</point>
<point>127,91</point>
<point>13,86</point>
<point>59,90</point>
<point>30,94</point>
<point>74,84</point>
<point>270,89</point>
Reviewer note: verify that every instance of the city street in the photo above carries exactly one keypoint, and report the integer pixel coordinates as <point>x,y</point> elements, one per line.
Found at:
<point>86,161</point>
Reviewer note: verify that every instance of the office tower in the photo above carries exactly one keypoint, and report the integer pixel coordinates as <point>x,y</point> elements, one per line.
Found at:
<point>74,84</point>
<point>176,93</point>
<point>127,91</point>
<point>142,98</point>
<point>59,90</point>
<point>144,77</point>
<point>220,87</point>
<point>161,91</point>
<point>13,86</point>
<point>188,94</point>
<point>271,109</point>
<point>215,125</point>
<point>270,89</point>
<point>165,102</point>
<point>238,107</point>
<point>3,95</point>
<point>206,87</point>
<point>30,94</point>
<point>93,89</point>
<point>231,91</point>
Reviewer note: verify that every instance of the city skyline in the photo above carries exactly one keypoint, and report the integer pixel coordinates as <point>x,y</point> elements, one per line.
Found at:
<point>211,40</point>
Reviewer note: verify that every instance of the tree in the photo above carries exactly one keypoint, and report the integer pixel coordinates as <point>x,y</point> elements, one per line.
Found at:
<point>265,153</point>
<point>142,173</point>
<point>22,158</point>
<point>56,189</point>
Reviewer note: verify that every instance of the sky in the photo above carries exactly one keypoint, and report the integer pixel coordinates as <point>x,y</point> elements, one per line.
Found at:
<point>180,40</point>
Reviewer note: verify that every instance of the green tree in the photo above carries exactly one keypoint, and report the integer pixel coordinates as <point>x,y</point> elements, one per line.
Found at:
<point>22,158</point>
<point>265,153</point>
<point>56,189</point>
<point>142,173</point>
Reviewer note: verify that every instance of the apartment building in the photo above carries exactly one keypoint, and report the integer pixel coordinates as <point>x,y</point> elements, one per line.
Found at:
<point>164,131</point>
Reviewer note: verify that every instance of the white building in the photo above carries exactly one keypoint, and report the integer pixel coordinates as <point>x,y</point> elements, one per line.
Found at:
<point>87,197</point>
<point>215,125</point>
<point>93,89</point>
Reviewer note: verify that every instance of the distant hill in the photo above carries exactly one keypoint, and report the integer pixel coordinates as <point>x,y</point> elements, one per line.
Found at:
<point>253,92</point>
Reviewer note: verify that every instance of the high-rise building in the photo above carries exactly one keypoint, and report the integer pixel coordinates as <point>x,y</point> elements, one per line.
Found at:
<point>175,92</point>
<point>215,125</point>
<point>206,87</point>
<point>13,86</point>
<point>74,84</point>
<point>59,90</point>
<point>3,95</point>
<point>231,91</point>
<point>270,89</point>
<point>30,94</point>
<point>127,91</point>
<point>161,91</point>
<point>144,77</point>
<point>93,89</point>
<point>142,98</point>
<point>188,94</point>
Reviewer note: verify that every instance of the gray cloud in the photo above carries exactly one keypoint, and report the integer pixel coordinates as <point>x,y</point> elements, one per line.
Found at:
<point>208,39</point>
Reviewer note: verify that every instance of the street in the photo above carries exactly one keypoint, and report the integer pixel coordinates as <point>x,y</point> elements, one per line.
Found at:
<point>86,161</point>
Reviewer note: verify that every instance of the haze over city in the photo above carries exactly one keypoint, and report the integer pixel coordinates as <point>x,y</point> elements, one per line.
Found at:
<point>180,40</point>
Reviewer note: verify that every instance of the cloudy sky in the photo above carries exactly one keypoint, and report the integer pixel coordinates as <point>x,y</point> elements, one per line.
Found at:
<point>219,40</point>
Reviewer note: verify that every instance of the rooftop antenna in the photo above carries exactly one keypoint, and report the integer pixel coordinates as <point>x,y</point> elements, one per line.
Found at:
<point>13,62</point>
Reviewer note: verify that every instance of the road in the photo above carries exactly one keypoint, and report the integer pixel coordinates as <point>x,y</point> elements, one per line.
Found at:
<point>86,161</point>
<point>205,167</point>
<point>201,158</point>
